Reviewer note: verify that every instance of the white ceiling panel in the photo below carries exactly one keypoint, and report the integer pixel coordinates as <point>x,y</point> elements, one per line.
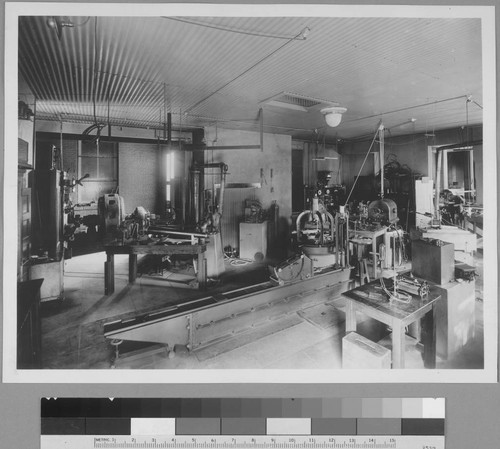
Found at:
<point>207,70</point>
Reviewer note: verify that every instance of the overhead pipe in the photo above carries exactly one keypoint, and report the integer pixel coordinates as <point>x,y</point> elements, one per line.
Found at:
<point>226,147</point>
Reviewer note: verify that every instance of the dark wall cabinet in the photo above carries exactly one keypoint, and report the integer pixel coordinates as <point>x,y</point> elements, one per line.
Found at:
<point>29,328</point>
<point>23,223</point>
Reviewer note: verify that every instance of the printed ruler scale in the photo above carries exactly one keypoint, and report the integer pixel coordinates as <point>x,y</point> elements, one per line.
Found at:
<point>159,442</point>
<point>297,423</point>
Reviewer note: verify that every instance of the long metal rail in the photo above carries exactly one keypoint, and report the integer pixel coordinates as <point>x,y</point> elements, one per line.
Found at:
<point>201,322</point>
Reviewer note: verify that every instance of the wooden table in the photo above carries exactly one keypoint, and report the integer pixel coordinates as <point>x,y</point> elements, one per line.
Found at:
<point>134,250</point>
<point>373,302</point>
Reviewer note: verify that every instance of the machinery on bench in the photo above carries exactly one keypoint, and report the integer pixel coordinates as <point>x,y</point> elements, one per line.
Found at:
<point>199,323</point>
<point>321,240</point>
<point>133,234</point>
<point>199,237</point>
<point>375,226</point>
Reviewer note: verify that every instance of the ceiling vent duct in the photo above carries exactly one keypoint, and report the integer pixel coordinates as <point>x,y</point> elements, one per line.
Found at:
<point>296,102</point>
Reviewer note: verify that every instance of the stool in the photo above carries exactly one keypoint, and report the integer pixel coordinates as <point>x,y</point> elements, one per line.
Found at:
<point>360,244</point>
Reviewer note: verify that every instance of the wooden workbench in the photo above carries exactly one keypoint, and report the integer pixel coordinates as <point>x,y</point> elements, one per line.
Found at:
<point>133,250</point>
<point>373,302</point>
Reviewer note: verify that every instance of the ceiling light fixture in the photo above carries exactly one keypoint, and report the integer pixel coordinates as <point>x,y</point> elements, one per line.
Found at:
<point>333,115</point>
<point>57,24</point>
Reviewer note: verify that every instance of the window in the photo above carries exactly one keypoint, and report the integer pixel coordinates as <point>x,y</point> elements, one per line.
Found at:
<point>100,162</point>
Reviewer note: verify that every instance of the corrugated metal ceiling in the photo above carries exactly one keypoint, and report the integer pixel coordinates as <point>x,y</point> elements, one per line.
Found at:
<point>208,70</point>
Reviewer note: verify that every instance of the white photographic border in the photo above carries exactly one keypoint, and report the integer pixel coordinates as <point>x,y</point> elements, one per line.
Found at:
<point>489,374</point>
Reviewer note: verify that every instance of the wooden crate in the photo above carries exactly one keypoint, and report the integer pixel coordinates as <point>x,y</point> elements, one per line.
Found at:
<point>360,353</point>
<point>455,317</point>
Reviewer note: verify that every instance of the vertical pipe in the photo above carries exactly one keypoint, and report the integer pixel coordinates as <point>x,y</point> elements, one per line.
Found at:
<point>171,160</point>
<point>184,184</point>
<point>438,183</point>
<point>169,128</point>
<point>184,181</point>
<point>444,170</point>
<point>195,179</point>
<point>223,170</point>
<point>61,143</point>
<point>261,122</point>
<point>33,145</point>
<point>472,180</point>
<point>336,237</point>
<point>159,207</point>
<point>382,158</point>
<point>164,112</point>
<point>109,124</point>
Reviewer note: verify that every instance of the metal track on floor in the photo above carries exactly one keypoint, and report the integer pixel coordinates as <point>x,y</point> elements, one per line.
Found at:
<point>212,319</point>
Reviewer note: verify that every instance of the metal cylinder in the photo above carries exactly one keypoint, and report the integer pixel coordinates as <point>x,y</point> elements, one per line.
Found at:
<point>195,195</point>
<point>315,204</point>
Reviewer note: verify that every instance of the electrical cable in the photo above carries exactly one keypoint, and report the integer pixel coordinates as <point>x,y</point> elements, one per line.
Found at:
<point>236,261</point>
<point>477,104</point>
<point>401,144</point>
<point>233,30</point>
<point>407,108</point>
<point>399,296</point>
<point>362,165</point>
<point>244,72</point>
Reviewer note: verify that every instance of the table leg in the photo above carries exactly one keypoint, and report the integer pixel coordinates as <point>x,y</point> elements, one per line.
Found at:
<point>429,338</point>
<point>398,346</point>
<point>109,274</point>
<point>350,317</point>
<point>132,268</point>
<point>202,271</point>
<point>374,255</point>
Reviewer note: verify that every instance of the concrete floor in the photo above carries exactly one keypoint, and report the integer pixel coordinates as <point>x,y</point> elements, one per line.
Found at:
<point>308,339</point>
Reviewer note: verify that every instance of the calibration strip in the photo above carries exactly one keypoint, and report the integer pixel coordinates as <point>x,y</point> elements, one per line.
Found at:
<point>273,423</point>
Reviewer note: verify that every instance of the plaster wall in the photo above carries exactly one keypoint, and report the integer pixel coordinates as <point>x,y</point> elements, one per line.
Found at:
<point>271,167</point>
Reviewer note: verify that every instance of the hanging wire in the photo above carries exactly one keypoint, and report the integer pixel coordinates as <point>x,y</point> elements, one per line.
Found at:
<point>362,165</point>
<point>477,104</point>
<point>301,36</point>
<point>260,61</point>
<point>408,108</point>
